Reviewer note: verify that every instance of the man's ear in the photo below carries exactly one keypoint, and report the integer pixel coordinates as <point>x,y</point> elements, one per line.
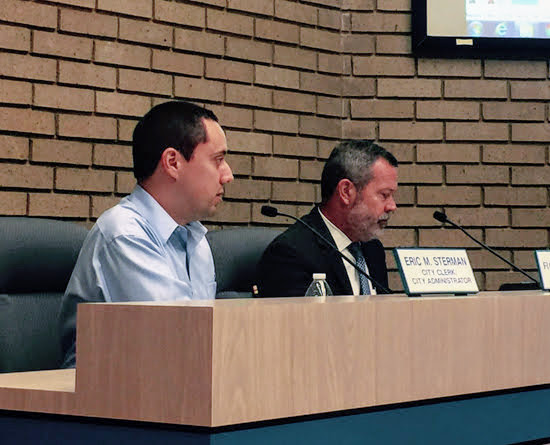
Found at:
<point>347,192</point>
<point>171,162</point>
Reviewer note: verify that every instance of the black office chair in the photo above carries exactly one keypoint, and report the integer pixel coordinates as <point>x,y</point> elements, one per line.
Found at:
<point>236,255</point>
<point>37,257</point>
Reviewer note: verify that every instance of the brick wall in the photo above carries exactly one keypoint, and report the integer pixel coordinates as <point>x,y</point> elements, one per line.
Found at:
<point>287,79</point>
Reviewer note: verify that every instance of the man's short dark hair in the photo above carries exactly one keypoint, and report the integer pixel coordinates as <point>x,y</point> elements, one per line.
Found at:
<point>351,159</point>
<point>175,124</point>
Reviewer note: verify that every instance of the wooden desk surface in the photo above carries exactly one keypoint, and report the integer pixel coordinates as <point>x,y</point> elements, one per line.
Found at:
<point>235,361</point>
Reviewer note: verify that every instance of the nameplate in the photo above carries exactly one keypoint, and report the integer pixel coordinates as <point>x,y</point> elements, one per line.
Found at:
<point>543,263</point>
<point>435,271</point>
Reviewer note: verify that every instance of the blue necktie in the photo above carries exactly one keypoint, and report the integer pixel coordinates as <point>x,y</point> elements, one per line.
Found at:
<point>357,252</point>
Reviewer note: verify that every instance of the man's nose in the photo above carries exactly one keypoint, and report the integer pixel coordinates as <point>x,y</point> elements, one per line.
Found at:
<point>227,174</point>
<point>391,206</point>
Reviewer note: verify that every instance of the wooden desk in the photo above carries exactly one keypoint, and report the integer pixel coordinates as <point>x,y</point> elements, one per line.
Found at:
<point>235,362</point>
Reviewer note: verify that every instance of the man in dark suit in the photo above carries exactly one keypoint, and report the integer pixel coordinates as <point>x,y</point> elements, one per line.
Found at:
<point>357,188</point>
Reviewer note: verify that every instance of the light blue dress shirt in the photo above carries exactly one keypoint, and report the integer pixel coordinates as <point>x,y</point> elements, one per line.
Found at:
<point>137,252</point>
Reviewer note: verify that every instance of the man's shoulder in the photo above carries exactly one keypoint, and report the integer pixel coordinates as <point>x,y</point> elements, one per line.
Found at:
<point>297,233</point>
<point>122,220</point>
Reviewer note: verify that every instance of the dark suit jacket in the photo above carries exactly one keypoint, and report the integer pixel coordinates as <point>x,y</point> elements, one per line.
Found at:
<point>288,263</point>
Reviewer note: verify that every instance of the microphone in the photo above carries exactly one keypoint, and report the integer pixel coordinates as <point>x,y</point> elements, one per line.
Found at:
<point>442,218</point>
<point>272,212</point>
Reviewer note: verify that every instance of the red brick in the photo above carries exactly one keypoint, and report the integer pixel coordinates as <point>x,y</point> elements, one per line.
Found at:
<point>272,121</point>
<point>56,151</point>
<point>145,32</point>
<point>14,92</point>
<point>85,180</point>
<point>470,131</point>
<point>62,45</point>
<point>452,110</point>
<point>530,217</point>
<point>514,154</point>
<point>482,259</point>
<point>64,98</point>
<point>27,67</point>
<point>193,88</point>
<point>263,7</point>
<point>331,63</point>
<point>358,44</point>
<point>447,153</point>
<point>311,170</point>
<point>482,217</point>
<point>180,13</point>
<point>449,67</point>
<point>380,22</point>
<point>246,142</point>
<point>530,90</point>
<point>113,155</point>
<point>13,203</point>
<point>28,13</point>
<point>15,38</point>
<point>320,83</point>
<point>524,259</point>
<point>250,50</point>
<point>531,132</point>
<point>427,174</point>
<point>294,146</point>
<point>295,12</point>
<point>398,238</point>
<point>228,70</point>
<point>232,212</point>
<point>294,57</point>
<point>330,18</point>
<point>385,66</point>
<point>229,22</point>
<point>517,237</point>
<point>515,196</point>
<point>90,4</point>
<point>331,106</point>
<point>293,192</point>
<point>405,195</point>
<point>12,147</point>
<point>358,130</point>
<point>27,121</point>
<point>425,131</point>
<point>278,77</point>
<point>320,39</point>
<point>447,237</point>
<point>234,117</point>
<point>140,8</point>
<point>518,69</point>
<point>514,111</point>
<point>26,176</point>
<point>275,167</point>
<point>102,203</point>
<point>357,87</point>
<point>83,22</point>
<point>358,5</point>
<point>74,73</point>
<point>91,127</point>
<point>320,126</point>
<point>477,174</point>
<point>121,54</point>
<point>180,63</point>
<point>382,109</point>
<point>491,89</point>
<point>388,44</point>
<point>125,182</point>
<point>291,101</point>
<point>145,82</point>
<point>393,5</point>
<point>530,175</point>
<point>201,42</point>
<point>59,205</point>
<point>403,152</point>
<point>251,190</point>
<point>454,195</point>
<point>414,88</point>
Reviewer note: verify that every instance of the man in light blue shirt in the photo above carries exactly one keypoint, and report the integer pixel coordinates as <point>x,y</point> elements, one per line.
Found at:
<point>151,246</point>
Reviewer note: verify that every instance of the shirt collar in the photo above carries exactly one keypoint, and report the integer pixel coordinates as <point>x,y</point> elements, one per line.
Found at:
<point>162,222</point>
<point>340,238</point>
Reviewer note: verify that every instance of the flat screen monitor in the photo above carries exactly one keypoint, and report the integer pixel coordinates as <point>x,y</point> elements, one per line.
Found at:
<point>481,28</point>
